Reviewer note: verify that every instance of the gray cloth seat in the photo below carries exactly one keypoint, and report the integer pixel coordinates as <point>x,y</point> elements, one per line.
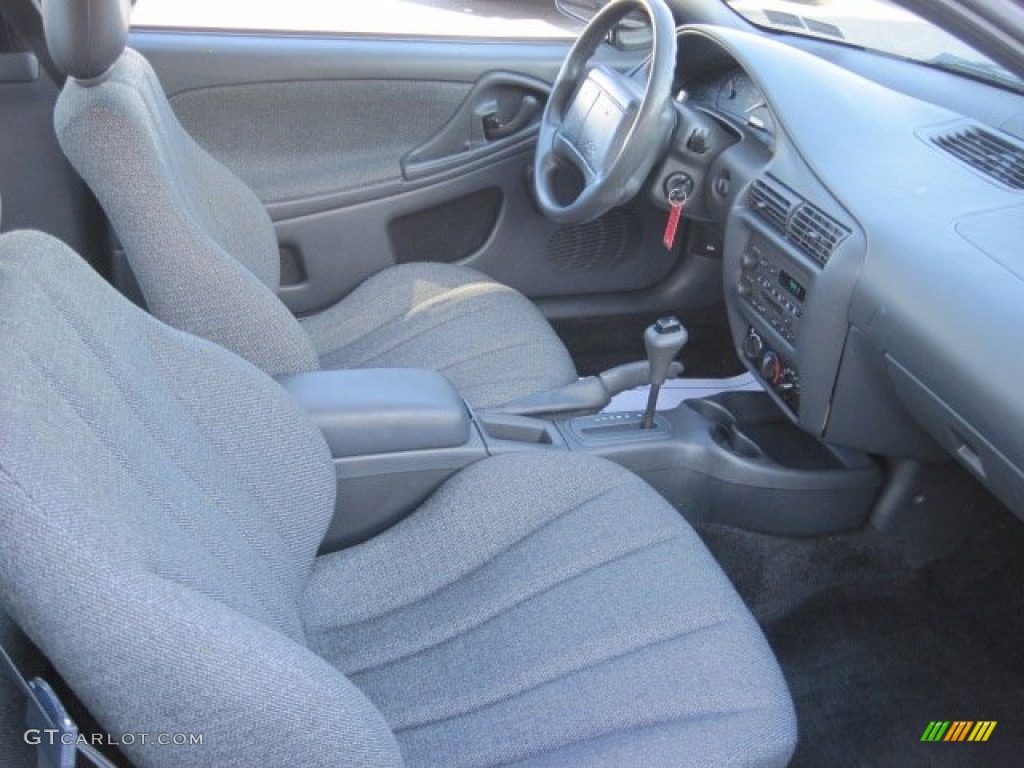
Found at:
<point>161,505</point>
<point>205,254</point>
<point>487,338</point>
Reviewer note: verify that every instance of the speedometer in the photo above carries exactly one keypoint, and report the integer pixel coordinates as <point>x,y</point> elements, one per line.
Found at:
<point>760,118</point>
<point>740,98</point>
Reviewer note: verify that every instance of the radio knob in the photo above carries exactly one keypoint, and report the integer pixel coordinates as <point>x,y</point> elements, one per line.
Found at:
<point>744,289</point>
<point>748,261</point>
<point>771,368</point>
<point>753,346</point>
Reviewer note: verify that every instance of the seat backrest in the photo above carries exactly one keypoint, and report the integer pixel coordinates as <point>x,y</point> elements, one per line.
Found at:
<point>161,504</point>
<point>198,239</point>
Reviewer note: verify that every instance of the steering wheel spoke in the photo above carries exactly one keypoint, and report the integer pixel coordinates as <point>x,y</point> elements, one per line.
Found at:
<point>567,151</point>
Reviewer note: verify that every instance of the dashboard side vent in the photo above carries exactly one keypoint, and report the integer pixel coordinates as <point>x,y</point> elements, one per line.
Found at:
<point>815,232</point>
<point>996,157</point>
<point>805,225</point>
<point>771,204</point>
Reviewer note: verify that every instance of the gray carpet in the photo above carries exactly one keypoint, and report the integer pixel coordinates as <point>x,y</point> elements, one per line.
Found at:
<point>874,649</point>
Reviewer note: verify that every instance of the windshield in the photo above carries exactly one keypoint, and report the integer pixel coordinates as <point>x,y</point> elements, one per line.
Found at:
<point>877,25</point>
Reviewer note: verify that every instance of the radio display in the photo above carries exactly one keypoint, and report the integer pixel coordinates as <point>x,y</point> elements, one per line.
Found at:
<point>788,282</point>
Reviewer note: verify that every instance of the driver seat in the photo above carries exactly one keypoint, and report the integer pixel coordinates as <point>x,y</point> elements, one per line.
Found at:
<point>205,254</point>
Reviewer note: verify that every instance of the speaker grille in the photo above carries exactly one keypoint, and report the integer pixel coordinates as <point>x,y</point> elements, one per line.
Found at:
<point>597,245</point>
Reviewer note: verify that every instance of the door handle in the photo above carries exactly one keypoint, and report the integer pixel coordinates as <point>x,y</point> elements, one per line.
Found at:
<point>495,128</point>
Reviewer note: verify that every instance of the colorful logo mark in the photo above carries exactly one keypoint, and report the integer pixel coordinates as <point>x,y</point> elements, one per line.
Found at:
<point>958,730</point>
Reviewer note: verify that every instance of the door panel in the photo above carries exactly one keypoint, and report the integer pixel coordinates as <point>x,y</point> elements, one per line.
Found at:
<point>620,252</point>
<point>371,152</point>
<point>292,141</point>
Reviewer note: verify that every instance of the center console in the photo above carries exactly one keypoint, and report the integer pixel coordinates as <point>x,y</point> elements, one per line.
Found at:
<point>790,264</point>
<point>792,257</point>
<point>774,290</point>
<point>732,459</point>
<point>396,435</point>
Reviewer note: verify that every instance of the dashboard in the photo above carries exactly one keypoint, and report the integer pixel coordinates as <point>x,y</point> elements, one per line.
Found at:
<point>871,262</point>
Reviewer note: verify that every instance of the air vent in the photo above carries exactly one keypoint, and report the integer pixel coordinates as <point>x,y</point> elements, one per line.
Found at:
<point>805,225</point>
<point>816,232</point>
<point>771,204</point>
<point>984,151</point>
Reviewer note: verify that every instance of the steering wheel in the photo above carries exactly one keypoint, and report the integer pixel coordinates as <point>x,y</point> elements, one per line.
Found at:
<point>609,127</point>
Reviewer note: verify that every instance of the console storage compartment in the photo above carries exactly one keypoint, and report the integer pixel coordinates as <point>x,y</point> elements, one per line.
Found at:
<point>395,434</point>
<point>381,410</point>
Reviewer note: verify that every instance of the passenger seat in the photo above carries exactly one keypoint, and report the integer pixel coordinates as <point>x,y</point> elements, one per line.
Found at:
<point>161,505</point>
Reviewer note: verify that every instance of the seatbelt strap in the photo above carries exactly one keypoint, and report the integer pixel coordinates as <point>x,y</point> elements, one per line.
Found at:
<point>26,17</point>
<point>46,714</point>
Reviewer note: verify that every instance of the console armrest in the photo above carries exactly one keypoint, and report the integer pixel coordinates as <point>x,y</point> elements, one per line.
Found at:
<point>367,411</point>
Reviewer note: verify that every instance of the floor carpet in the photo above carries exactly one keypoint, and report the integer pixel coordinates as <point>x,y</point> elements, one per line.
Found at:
<point>874,649</point>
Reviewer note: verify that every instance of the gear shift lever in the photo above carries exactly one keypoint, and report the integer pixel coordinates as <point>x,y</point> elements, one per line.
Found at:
<point>663,341</point>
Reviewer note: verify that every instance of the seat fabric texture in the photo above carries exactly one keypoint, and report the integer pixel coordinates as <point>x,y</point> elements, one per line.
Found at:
<point>161,504</point>
<point>488,339</point>
<point>206,258</point>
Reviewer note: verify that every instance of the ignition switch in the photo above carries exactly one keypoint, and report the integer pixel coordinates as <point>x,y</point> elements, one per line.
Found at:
<point>678,187</point>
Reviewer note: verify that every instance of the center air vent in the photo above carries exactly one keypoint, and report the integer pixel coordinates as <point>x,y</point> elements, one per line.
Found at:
<point>815,232</point>
<point>771,204</point>
<point>805,225</point>
<point>984,151</point>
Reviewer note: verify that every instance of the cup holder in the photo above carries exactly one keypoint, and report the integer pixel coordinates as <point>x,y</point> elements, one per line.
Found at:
<point>758,470</point>
<point>723,429</point>
<point>735,441</point>
<point>713,411</point>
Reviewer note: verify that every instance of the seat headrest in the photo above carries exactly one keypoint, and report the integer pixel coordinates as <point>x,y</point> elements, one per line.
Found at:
<point>86,37</point>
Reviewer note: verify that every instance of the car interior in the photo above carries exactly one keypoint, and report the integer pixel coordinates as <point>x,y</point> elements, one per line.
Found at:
<point>645,396</point>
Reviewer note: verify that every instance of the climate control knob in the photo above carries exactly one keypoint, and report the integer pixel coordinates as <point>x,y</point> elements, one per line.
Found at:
<point>748,261</point>
<point>771,368</point>
<point>789,381</point>
<point>753,346</point>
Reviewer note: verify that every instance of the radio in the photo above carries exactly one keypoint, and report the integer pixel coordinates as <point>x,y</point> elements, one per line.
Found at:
<point>773,292</point>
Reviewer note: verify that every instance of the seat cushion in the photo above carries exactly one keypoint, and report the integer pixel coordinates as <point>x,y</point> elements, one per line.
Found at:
<point>490,340</point>
<point>551,610</point>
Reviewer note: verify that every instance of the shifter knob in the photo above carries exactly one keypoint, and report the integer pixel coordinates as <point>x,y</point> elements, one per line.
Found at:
<point>663,341</point>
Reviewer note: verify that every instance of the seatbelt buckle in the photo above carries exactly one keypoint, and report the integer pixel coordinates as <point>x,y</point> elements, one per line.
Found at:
<point>58,732</point>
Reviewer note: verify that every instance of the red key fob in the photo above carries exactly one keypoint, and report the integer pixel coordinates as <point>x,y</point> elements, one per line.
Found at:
<point>675,211</point>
